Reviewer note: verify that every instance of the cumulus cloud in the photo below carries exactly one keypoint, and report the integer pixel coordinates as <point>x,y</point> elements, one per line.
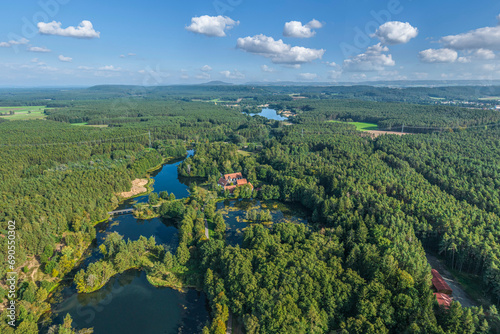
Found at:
<point>332,64</point>
<point>65,59</point>
<point>438,56</point>
<point>308,76</point>
<point>213,26</point>
<point>8,44</point>
<point>296,29</point>
<point>233,75</point>
<point>109,68</point>
<point>396,32</point>
<point>38,49</point>
<point>484,54</point>
<point>85,68</point>
<point>84,30</point>
<point>479,54</point>
<point>482,38</point>
<point>334,75</point>
<point>372,60</point>
<point>278,51</point>
<point>206,68</point>
<point>267,69</point>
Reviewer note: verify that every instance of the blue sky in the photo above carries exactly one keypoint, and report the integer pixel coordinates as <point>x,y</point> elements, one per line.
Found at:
<point>82,43</point>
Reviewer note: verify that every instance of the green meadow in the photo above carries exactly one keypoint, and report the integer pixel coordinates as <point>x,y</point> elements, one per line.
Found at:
<point>361,126</point>
<point>22,113</point>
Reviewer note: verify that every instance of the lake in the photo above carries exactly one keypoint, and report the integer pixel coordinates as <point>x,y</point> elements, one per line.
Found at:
<point>129,297</point>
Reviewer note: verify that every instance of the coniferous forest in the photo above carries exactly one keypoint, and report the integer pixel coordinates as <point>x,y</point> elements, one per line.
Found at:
<point>376,204</point>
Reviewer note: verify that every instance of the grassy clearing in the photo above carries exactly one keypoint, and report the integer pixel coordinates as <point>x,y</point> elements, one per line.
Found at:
<point>360,126</point>
<point>244,153</point>
<point>22,113</point>
<point>489,98</point>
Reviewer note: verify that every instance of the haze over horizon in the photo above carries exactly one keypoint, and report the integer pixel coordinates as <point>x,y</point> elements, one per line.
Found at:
<point>75,43</point>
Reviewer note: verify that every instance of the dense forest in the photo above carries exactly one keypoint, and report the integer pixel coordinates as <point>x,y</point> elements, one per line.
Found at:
<point>377,205</point>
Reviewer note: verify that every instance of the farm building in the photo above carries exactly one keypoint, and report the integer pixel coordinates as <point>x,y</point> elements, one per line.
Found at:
<point>231,181</point>
<point>440,284</point>
<point>443,299</point>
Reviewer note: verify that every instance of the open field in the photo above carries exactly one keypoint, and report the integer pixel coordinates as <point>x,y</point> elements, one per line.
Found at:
<point>360,126</point>
<point>22,113</point>
<point>489,98</point>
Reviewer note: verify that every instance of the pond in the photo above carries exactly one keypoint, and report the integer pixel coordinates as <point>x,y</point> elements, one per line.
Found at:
<point>167,179</point>
<point>271,114</point>
<point>234,213</point>
<point>129,304</point>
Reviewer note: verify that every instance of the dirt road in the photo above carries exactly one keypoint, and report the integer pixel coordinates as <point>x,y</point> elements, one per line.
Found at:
<point>458,293</point>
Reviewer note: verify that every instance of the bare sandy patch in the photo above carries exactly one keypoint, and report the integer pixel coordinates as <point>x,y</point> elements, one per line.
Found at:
<point>376,133</point>
<point>138,187</point>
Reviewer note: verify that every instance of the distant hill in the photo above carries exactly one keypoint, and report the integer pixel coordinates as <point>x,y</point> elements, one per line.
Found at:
<point>217,83</point>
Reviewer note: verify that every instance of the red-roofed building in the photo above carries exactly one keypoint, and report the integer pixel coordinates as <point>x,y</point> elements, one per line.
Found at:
<point>443,299</point>
<point>231,181</point>
<point>439,283</point>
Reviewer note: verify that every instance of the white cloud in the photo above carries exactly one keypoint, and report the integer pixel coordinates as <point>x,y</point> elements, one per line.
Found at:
<point>65,59</point>
<point>213,26</point>
<point>296,29</point>
<point>482,38</point>
<point>484,54</point>
<point>278,51</point>
<point>479,54</point>
<point>421,75</point>
<point>109,68</point>
<point>85,68</point>
<point>38,49</point>
<point>372,60</point>
<point>34,60</point>
<point>233,75</point>
<point>334,75</point>
<point>438,56</point>
<point>206,68</point>
<point>332,64</point>
<point>267,69</point>
<point>308,76</point>
<point>8,44</point>
<point>204,76</point>
<point>84,30</point>
<point>128,55</point>
<point>396,32</point>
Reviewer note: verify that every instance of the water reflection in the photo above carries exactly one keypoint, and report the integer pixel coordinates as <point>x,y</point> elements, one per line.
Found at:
<point>129,304</point>
<point>234,212</point>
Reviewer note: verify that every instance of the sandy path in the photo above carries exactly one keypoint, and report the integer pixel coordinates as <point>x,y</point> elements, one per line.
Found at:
<point>458,293</point>
<point>138,187</point>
